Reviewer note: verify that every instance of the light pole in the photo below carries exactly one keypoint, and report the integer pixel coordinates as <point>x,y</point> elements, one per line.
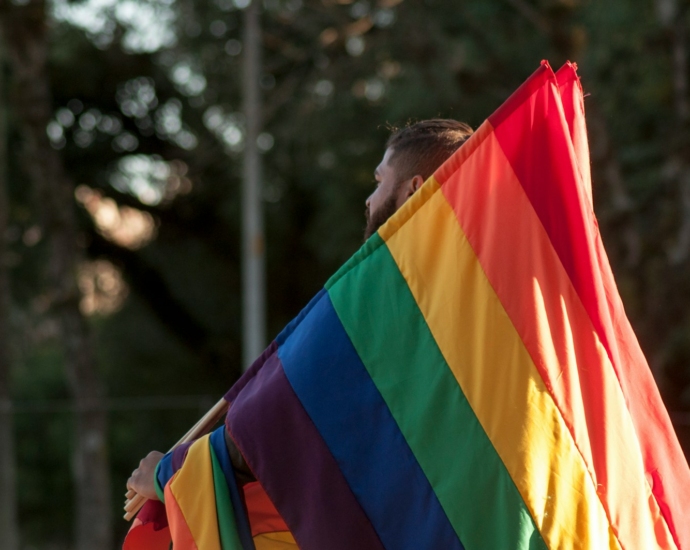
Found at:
<point>253,248</point>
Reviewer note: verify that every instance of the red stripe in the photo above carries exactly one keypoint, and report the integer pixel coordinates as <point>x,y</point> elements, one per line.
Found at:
<point>263,516</point>
<point>662,455</point>
<point>149,529</point>
<point>667,469</point>
<point>565,212</point>
<point>574,110</point>
<point>544,165</point>
<point>534,83</point>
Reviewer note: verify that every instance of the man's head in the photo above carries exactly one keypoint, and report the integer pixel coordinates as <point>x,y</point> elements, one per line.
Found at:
<point>413,154</point>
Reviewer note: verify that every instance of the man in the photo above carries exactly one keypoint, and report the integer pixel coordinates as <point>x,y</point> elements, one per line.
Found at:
<point>412,155</point>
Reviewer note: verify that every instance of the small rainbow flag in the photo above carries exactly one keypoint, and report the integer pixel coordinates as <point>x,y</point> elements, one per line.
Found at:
<point>469,378</point>
<point>201,506</point>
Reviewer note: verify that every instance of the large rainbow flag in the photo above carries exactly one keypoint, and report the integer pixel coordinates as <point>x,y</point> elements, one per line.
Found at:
<point>469,378</point>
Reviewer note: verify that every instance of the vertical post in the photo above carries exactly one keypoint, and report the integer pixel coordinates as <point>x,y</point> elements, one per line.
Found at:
<point>253,262</point>
<point>9,529</point>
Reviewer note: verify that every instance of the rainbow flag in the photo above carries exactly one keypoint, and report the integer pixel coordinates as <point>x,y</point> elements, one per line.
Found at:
<point>469,378</point>
<point>201,506</point>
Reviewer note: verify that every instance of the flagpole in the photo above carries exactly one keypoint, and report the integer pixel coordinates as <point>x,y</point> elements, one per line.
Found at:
<point>133,501</point>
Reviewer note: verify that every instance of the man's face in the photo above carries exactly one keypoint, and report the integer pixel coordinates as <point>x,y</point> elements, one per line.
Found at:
<point>389,195</point>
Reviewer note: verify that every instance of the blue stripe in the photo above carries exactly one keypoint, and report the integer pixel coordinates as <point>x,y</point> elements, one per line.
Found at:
<point>220,449</point>
<point>352,417</point>
<point>292,325</point>
<point>164,471</point>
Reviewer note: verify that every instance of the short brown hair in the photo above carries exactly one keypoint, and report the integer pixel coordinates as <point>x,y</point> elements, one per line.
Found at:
<point>420,148</point>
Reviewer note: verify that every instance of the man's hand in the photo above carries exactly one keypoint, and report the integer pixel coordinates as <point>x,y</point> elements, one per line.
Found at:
<point>141,480</point>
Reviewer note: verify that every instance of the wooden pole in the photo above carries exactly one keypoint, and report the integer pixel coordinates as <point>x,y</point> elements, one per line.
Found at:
<point>134,502</point>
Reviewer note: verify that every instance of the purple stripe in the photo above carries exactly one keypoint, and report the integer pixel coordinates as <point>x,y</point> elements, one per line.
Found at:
<point>179,454</point>
<point>290,459</point>
<point>250,373</point>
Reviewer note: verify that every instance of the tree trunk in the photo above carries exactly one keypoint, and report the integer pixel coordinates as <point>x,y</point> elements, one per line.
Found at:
<point>253,268</point>
<point>26,35</point>
<point>9,528</point>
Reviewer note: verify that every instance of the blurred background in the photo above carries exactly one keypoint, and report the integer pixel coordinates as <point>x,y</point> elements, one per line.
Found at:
<point>125,133</point>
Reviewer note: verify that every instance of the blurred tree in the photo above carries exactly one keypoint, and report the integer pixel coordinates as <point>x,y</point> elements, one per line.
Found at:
<point>9,526</point>
<point>24,29</point>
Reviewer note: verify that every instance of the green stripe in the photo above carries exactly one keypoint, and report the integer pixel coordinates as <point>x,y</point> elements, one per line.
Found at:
<point>368,248</point>
<point>229,537</point>
<point>395,344</point>
<point>157,486</point>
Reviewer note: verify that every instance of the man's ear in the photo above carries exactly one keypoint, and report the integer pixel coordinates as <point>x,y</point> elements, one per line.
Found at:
<point>408,189</point>
<point>415,183</point>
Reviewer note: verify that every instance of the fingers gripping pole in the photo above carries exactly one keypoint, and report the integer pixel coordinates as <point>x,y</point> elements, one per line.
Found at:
<point>134,502</point>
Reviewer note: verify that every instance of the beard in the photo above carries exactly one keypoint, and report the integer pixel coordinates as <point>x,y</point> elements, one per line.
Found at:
<point>380,216</point>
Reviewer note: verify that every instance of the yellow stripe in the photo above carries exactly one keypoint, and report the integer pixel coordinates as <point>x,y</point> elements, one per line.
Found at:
<point>280,540</point>
<point>498,377</point>
<point>195,495</point>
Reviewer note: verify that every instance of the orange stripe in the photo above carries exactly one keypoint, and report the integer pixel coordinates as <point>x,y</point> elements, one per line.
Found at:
<point>537,293</point>
<point>179,530</point>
